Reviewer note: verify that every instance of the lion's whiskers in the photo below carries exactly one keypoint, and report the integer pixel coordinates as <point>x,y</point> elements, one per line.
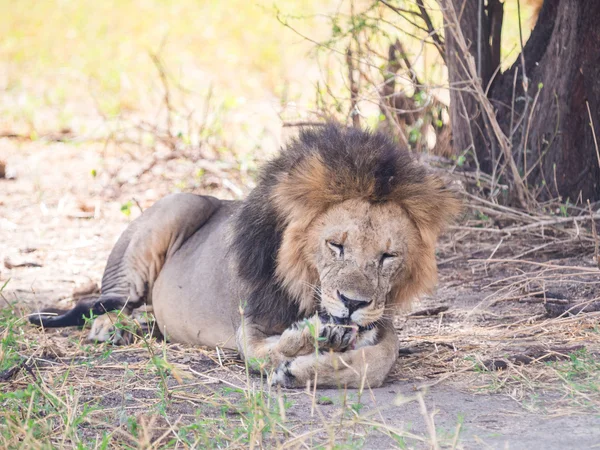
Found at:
<point>315,288</point>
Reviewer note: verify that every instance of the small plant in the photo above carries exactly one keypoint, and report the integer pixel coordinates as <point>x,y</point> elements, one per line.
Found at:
<point>126,208</point>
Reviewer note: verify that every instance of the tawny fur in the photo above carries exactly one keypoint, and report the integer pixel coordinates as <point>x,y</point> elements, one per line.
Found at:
<point>307,192</point>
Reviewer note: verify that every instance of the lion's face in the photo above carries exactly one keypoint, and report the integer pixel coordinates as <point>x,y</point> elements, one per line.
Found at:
<point>362,253</point>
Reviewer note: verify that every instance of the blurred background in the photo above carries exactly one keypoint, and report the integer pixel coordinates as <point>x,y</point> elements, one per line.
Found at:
<point>237,69</point>
<point>105,107</point>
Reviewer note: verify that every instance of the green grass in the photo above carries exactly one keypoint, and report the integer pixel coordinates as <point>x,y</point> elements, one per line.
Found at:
<point>580,379</point>
<point>10,322</point>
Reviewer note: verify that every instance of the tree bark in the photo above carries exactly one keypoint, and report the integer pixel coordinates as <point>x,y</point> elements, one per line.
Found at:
<point>547,114</point>
<point>468,123</point>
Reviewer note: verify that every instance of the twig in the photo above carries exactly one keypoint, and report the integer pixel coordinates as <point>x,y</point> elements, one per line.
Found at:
<point>302,124</point>
<point>413,74</point>
<point>550,222</point>
<point>138,204</point>
<point>167,99</point>
<point>526,137</point>
<point>595,235</point>
<point>439,44</point>
<point>593,132</point>
<point>512,211</point>
<point>429,312</point>
<point>584,270</point>
<point>353,90</point>
<point>523,148</point>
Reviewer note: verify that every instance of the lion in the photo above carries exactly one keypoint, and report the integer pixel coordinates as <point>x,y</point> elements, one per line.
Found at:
<point>304,276</point>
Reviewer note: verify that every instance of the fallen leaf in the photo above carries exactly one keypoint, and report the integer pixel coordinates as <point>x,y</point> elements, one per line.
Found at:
<point>10,264</point>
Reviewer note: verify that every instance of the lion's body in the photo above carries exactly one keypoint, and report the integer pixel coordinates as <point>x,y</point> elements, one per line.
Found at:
<point>201,305</point>
<point>339,231</point>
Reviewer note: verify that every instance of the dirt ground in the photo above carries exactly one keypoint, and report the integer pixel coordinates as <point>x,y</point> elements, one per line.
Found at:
<point>484,363</point>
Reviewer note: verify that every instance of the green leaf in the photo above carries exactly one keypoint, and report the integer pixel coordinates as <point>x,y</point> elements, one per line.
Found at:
<point>126,208</point>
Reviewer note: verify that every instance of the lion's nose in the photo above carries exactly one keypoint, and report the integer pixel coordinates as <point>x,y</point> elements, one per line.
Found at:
<point>352,301</point>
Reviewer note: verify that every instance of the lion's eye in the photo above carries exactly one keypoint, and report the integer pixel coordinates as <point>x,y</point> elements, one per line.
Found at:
<point>337,249</point>
<point>387,258</point>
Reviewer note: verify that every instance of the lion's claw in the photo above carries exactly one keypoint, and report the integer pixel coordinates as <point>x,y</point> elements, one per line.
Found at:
<point>338,338</point>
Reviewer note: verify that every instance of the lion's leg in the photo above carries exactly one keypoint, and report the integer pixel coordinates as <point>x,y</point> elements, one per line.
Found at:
<point>137,258</point>
<point>257,348</point>
<point>139,255</point>
<point>366,366</point>
<point>119,328</point>
<point>301,338</point>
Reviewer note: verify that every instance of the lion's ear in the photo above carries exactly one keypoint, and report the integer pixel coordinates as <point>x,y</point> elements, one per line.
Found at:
<point>431,204</point>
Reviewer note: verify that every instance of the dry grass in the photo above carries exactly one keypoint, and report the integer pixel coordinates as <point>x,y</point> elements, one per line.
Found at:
<point>494,336</point>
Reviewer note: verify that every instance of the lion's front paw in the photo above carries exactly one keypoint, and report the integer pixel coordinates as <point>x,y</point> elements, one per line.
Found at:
<point>303,337</point>
<point>337,338</point>
<point>283,376</point>
<point>299,339</point>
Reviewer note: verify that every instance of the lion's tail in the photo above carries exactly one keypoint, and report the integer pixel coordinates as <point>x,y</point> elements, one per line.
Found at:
<point>83,310</point>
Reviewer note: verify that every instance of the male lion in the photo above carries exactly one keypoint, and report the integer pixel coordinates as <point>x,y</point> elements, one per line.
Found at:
<point>303,275</point>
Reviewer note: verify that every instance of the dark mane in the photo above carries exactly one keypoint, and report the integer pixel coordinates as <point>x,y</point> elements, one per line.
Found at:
<point>323,166</point>
<point>350,153</point>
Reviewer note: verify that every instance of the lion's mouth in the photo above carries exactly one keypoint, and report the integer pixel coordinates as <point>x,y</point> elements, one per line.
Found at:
<point>328,318</point>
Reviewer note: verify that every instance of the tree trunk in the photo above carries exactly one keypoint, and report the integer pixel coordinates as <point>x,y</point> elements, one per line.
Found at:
<point>468,124</point>
<point>547,117</point>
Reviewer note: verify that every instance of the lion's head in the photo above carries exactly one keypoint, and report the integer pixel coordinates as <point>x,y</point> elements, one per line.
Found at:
<point>361,252</point>
<point>343,222</point>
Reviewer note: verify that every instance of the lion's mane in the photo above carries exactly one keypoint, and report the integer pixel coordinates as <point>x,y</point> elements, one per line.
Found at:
<point>325,166</point>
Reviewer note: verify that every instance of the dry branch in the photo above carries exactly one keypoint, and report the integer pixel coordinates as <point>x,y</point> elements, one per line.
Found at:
<point>595,234</point>
<point>435,35</point>
<point>354,112</point>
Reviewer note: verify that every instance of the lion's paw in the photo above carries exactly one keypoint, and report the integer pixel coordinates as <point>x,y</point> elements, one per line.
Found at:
<point>337,338</point>
<point>104,329</point>
<point>298,372</point>
<point>303,337</point>
<point>283,376</point>
<point>298,339</point>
